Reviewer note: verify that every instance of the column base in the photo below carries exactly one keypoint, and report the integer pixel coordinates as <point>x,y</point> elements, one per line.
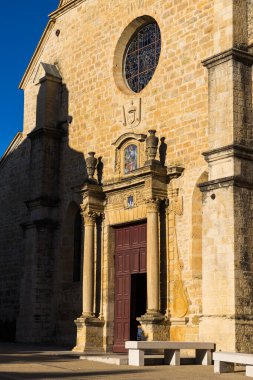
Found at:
<point>89,336</point>
<point>155,326</point>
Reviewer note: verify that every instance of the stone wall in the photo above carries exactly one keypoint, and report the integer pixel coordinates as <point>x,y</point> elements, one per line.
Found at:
<point>175,103</point>
<point>13,193</point>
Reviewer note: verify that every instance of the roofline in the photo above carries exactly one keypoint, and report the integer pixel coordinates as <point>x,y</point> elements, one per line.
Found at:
<point>36,55</point>
<point>64,8</point>
<point>12,146</point>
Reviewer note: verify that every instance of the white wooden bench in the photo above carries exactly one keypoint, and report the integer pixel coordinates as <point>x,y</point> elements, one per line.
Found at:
<point>224,362</point>
<point>171,351</point>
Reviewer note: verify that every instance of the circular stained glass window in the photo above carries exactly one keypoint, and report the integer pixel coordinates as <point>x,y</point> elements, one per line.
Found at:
<point>142,56</point>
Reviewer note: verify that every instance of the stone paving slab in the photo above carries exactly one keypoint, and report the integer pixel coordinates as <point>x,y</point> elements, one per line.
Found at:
<point>24,362</point>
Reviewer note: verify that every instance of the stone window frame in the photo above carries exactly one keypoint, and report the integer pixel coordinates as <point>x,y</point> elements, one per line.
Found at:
<point>137,77</point>
<point>121,144</point>
<point>121,50</point>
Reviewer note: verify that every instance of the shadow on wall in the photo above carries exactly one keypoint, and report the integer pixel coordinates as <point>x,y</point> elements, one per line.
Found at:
<point>36,167</point>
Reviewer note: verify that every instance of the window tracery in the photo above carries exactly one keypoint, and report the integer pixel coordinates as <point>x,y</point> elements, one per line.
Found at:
<point>142,56</point>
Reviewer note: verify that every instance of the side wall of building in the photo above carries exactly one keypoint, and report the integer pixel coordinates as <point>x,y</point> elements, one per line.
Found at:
<point>13,192</point>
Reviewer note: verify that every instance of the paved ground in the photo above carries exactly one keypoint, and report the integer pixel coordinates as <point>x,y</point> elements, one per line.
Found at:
<point>40,363</point>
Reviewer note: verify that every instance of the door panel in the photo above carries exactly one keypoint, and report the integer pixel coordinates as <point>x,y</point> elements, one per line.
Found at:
<point>143,260</point>
<point>130,258</point>
<point>135,261</point>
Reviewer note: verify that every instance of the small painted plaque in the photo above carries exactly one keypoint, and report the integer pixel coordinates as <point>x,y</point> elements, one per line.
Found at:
<point>130,159</point>
<point>130,201</point>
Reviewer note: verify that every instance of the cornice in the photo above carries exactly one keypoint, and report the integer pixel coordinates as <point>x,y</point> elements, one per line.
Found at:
<point>13,145</point>
<point>227,55</point>
<point>233,150</point>
<point>128,136</point>
<point>48,131</point>
<point>232,181</point>
<point>45,36</point>
<point>65,7</point>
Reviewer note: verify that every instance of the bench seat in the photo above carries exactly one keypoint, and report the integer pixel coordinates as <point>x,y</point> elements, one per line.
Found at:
<point>171,351</point>
<point>224,362</point>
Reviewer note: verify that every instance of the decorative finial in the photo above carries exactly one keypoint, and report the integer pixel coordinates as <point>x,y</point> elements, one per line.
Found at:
<point>91,163</point>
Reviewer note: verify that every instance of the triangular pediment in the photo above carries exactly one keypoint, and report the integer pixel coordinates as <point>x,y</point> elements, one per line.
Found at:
<point>63,6</point>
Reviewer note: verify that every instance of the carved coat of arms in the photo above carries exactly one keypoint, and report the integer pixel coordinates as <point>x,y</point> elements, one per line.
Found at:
<point>132,114</point>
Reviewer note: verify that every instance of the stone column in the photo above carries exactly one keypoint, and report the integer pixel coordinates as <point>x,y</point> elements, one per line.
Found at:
<point>153,322</point>
<point>153,275</point>
<point>89,328</point>
<point>88,264</point>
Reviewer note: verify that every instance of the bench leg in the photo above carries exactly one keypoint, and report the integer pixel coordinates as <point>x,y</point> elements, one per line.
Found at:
<point>249,370</point>
<point>204,357</point>
<point>136,357</point>
<point>172,357</point>
<point>223,367</point>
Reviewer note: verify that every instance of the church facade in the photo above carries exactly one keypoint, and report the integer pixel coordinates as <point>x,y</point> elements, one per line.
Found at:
<point>127,199</point>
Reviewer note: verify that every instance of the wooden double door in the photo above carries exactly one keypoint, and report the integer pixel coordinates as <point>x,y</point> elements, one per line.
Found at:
<point>130,282</point>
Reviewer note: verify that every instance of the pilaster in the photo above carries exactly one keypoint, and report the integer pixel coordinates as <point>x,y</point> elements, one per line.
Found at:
<point>36,321</point>
<point>227,204</point>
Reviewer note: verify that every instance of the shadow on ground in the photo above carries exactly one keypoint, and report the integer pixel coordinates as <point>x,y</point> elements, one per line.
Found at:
<point>69,375</point>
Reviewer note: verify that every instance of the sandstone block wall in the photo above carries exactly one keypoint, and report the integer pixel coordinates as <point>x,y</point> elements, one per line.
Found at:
<point>175,103</point>
<point>13,193</point>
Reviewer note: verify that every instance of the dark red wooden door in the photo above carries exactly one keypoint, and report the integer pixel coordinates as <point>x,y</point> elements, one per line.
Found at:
<point>130,258</point>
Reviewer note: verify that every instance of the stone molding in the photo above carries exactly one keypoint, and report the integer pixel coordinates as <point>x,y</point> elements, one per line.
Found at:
<point>179,321</point>
<point>40,224</point>
<point>12,147</point>
<point>93,198</point>
<point>65,6</point>
<point>234,150</point>
<point>89,321</point>
<point>43,200</point>
<point>236,181</point>
<point>152,317</point>
<point>128,136</point>
<point>245,318</point>
<point>228,55</point>
<point>89,217</point>
<point>48,131</point>
<point>153,205</point>
<point>174,172</point>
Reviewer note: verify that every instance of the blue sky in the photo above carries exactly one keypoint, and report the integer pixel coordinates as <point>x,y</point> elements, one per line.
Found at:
<point>22,24</point>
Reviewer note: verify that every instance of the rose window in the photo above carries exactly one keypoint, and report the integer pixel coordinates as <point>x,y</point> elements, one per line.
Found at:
<point>142,56</point>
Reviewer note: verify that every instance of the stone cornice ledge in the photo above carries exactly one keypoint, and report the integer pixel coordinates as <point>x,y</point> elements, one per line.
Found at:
<point>12,147</point>
<point>227,55</point>
<point>235,181</point>
<point>233,150</point>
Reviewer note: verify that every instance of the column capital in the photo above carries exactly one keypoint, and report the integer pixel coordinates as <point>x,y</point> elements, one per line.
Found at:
<point>89,217</point>
<point>152,204</point>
